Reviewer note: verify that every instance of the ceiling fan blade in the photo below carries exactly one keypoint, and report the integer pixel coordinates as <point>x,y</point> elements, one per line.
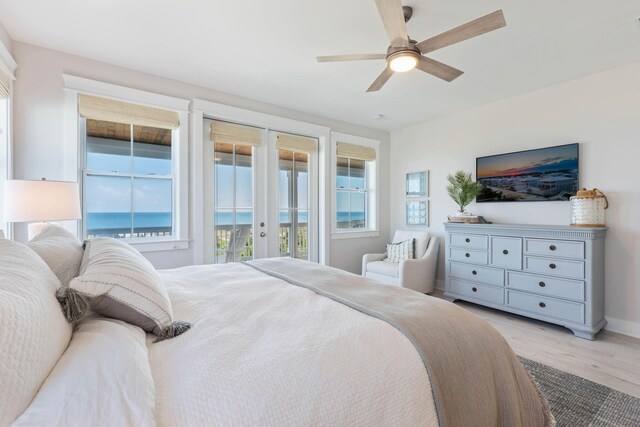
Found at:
<point>381,80</point>
<point>363,57</point>
<point>438,69</point>
<point>393,20</point>
<point>475,28</point>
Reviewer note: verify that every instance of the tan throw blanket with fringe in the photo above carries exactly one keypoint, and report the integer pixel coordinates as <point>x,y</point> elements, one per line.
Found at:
<point>475,377</point>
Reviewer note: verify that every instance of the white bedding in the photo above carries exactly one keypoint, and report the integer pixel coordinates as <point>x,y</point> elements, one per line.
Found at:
<point>102,379</point>
<point>264,352</point>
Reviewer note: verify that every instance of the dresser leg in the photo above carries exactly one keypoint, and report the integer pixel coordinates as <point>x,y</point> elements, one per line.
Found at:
<point>584,334</point>
<point>448,297</point>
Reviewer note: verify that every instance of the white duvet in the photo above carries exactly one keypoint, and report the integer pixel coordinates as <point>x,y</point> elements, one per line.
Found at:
<point>264,352</point>
<point>261,352</point>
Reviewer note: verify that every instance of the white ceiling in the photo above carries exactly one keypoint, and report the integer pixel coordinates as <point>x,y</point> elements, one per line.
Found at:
<point>266,50</point>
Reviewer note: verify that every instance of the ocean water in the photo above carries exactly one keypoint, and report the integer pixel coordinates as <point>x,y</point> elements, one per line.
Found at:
<point>119,220</point>
<point>226,218</point>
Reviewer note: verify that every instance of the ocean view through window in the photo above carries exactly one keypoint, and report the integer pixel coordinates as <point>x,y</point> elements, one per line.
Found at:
<point>293,195</point>
<point>128,180</point>
<point>351,194</point>
<point>233,201</point>
<point>355,194</point>
<point>260,185</point>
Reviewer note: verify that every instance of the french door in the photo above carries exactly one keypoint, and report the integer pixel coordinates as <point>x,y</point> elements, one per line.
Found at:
<point>260,194</point>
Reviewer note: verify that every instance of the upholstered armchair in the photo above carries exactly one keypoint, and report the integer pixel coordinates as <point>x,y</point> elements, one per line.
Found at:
<point>418,274</point>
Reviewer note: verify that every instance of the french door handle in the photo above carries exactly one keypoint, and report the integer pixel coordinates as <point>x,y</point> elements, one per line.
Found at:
<point>262,234</point>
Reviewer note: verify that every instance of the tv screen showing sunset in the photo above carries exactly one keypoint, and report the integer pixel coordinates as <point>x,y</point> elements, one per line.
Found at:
<point>534,175</point>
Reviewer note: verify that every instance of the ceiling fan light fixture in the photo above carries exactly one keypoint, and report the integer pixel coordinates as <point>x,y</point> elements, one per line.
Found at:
<point>401,62</point>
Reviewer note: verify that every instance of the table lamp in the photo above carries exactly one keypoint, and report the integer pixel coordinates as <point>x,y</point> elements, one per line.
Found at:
<point>40,201</point>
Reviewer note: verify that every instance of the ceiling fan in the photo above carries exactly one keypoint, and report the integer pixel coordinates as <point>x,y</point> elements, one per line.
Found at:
<point>405,54</point>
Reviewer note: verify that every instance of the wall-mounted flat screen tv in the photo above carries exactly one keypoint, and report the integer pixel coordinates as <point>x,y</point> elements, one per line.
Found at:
<point>544,174</point>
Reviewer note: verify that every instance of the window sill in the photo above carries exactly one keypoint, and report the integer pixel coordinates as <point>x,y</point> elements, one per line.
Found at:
<point>352,234</point>
<point>157,245</point>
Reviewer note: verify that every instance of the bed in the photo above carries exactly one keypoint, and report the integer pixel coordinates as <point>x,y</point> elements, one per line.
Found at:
<point>288,343</point>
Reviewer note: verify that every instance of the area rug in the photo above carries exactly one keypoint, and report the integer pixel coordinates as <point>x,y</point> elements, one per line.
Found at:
<point>578,402</point>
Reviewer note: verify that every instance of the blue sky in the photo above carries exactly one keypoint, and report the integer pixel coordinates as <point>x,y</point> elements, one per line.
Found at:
<point>113,194</point>
<point>346,200</point>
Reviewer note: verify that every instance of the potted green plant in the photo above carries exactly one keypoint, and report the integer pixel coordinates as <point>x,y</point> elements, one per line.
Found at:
<point>463,190</point>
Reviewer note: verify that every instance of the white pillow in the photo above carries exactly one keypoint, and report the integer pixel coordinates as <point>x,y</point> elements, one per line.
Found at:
<point>61,250</point>
<point>33,331</point>
<point>103,378</point>
<point>400,251</point>
<point>120,283</point>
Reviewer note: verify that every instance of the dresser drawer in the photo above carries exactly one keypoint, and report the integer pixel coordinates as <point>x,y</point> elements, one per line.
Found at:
<point>488,275</point>
<point>544,306</point>
<point>468,241</point>
<point>467,255</point>
<point>555,248</point>
<point>548,286</point>
<point>475,291</point>
<point>506,252</point>
<point>554,267</point>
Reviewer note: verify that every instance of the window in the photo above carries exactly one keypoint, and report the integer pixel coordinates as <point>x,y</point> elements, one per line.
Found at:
<point>4,151</point>
<point>355,186</point>
<point>129,175</point>
<point>7,66</point>
<point>294,155</point>
<point>351,194</point>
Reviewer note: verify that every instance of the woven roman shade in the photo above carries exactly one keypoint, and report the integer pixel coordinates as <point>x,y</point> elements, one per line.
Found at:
<point>5,83</point>
<point>231,133</point>
<point>356,152</point>
<point>299,144</point>
<point>93,107</point>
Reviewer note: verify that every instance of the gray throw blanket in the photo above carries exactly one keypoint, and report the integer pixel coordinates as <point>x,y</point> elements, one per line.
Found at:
<point>475,377</point>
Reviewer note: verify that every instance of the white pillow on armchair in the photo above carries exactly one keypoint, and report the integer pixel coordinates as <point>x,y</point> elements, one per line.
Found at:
<point>400,251</point>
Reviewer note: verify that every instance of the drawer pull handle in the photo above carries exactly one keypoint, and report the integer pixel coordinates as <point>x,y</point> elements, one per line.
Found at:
<point>542,305</point>
<point>467,254</point>
<point>542,284</point>
<point>506,252</point>
<point>474,272</point>
<point>474,289</point>
<point>552,266</point>
<point>468,240</point>
<point>552,247</point>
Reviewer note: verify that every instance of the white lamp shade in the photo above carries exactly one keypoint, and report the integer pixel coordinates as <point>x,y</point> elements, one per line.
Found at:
<point>27,201</point>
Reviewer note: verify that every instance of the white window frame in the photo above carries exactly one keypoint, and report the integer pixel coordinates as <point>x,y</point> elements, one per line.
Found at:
<point>8,65</point>
<point>75,152</point>
<point>373,184</point>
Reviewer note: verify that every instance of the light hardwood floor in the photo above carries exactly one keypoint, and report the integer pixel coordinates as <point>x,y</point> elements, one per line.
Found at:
<point>612,359</point>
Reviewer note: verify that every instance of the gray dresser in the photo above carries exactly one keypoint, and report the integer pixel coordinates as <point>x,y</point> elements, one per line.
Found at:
<point>550,273</point>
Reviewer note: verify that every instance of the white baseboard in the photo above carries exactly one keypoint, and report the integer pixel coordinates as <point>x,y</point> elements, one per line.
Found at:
<point>623,327</point>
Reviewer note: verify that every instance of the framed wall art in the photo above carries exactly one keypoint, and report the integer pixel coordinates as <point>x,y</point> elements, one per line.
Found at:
<point>417,212</point>
<point>417,184</point>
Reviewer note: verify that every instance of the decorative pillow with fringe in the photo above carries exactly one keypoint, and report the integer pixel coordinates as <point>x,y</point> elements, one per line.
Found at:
<point>120,283</point>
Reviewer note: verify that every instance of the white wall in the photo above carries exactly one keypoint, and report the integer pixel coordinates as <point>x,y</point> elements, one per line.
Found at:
<point>601,111</point>
<point>5,39</point>
<point>39,130</point>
